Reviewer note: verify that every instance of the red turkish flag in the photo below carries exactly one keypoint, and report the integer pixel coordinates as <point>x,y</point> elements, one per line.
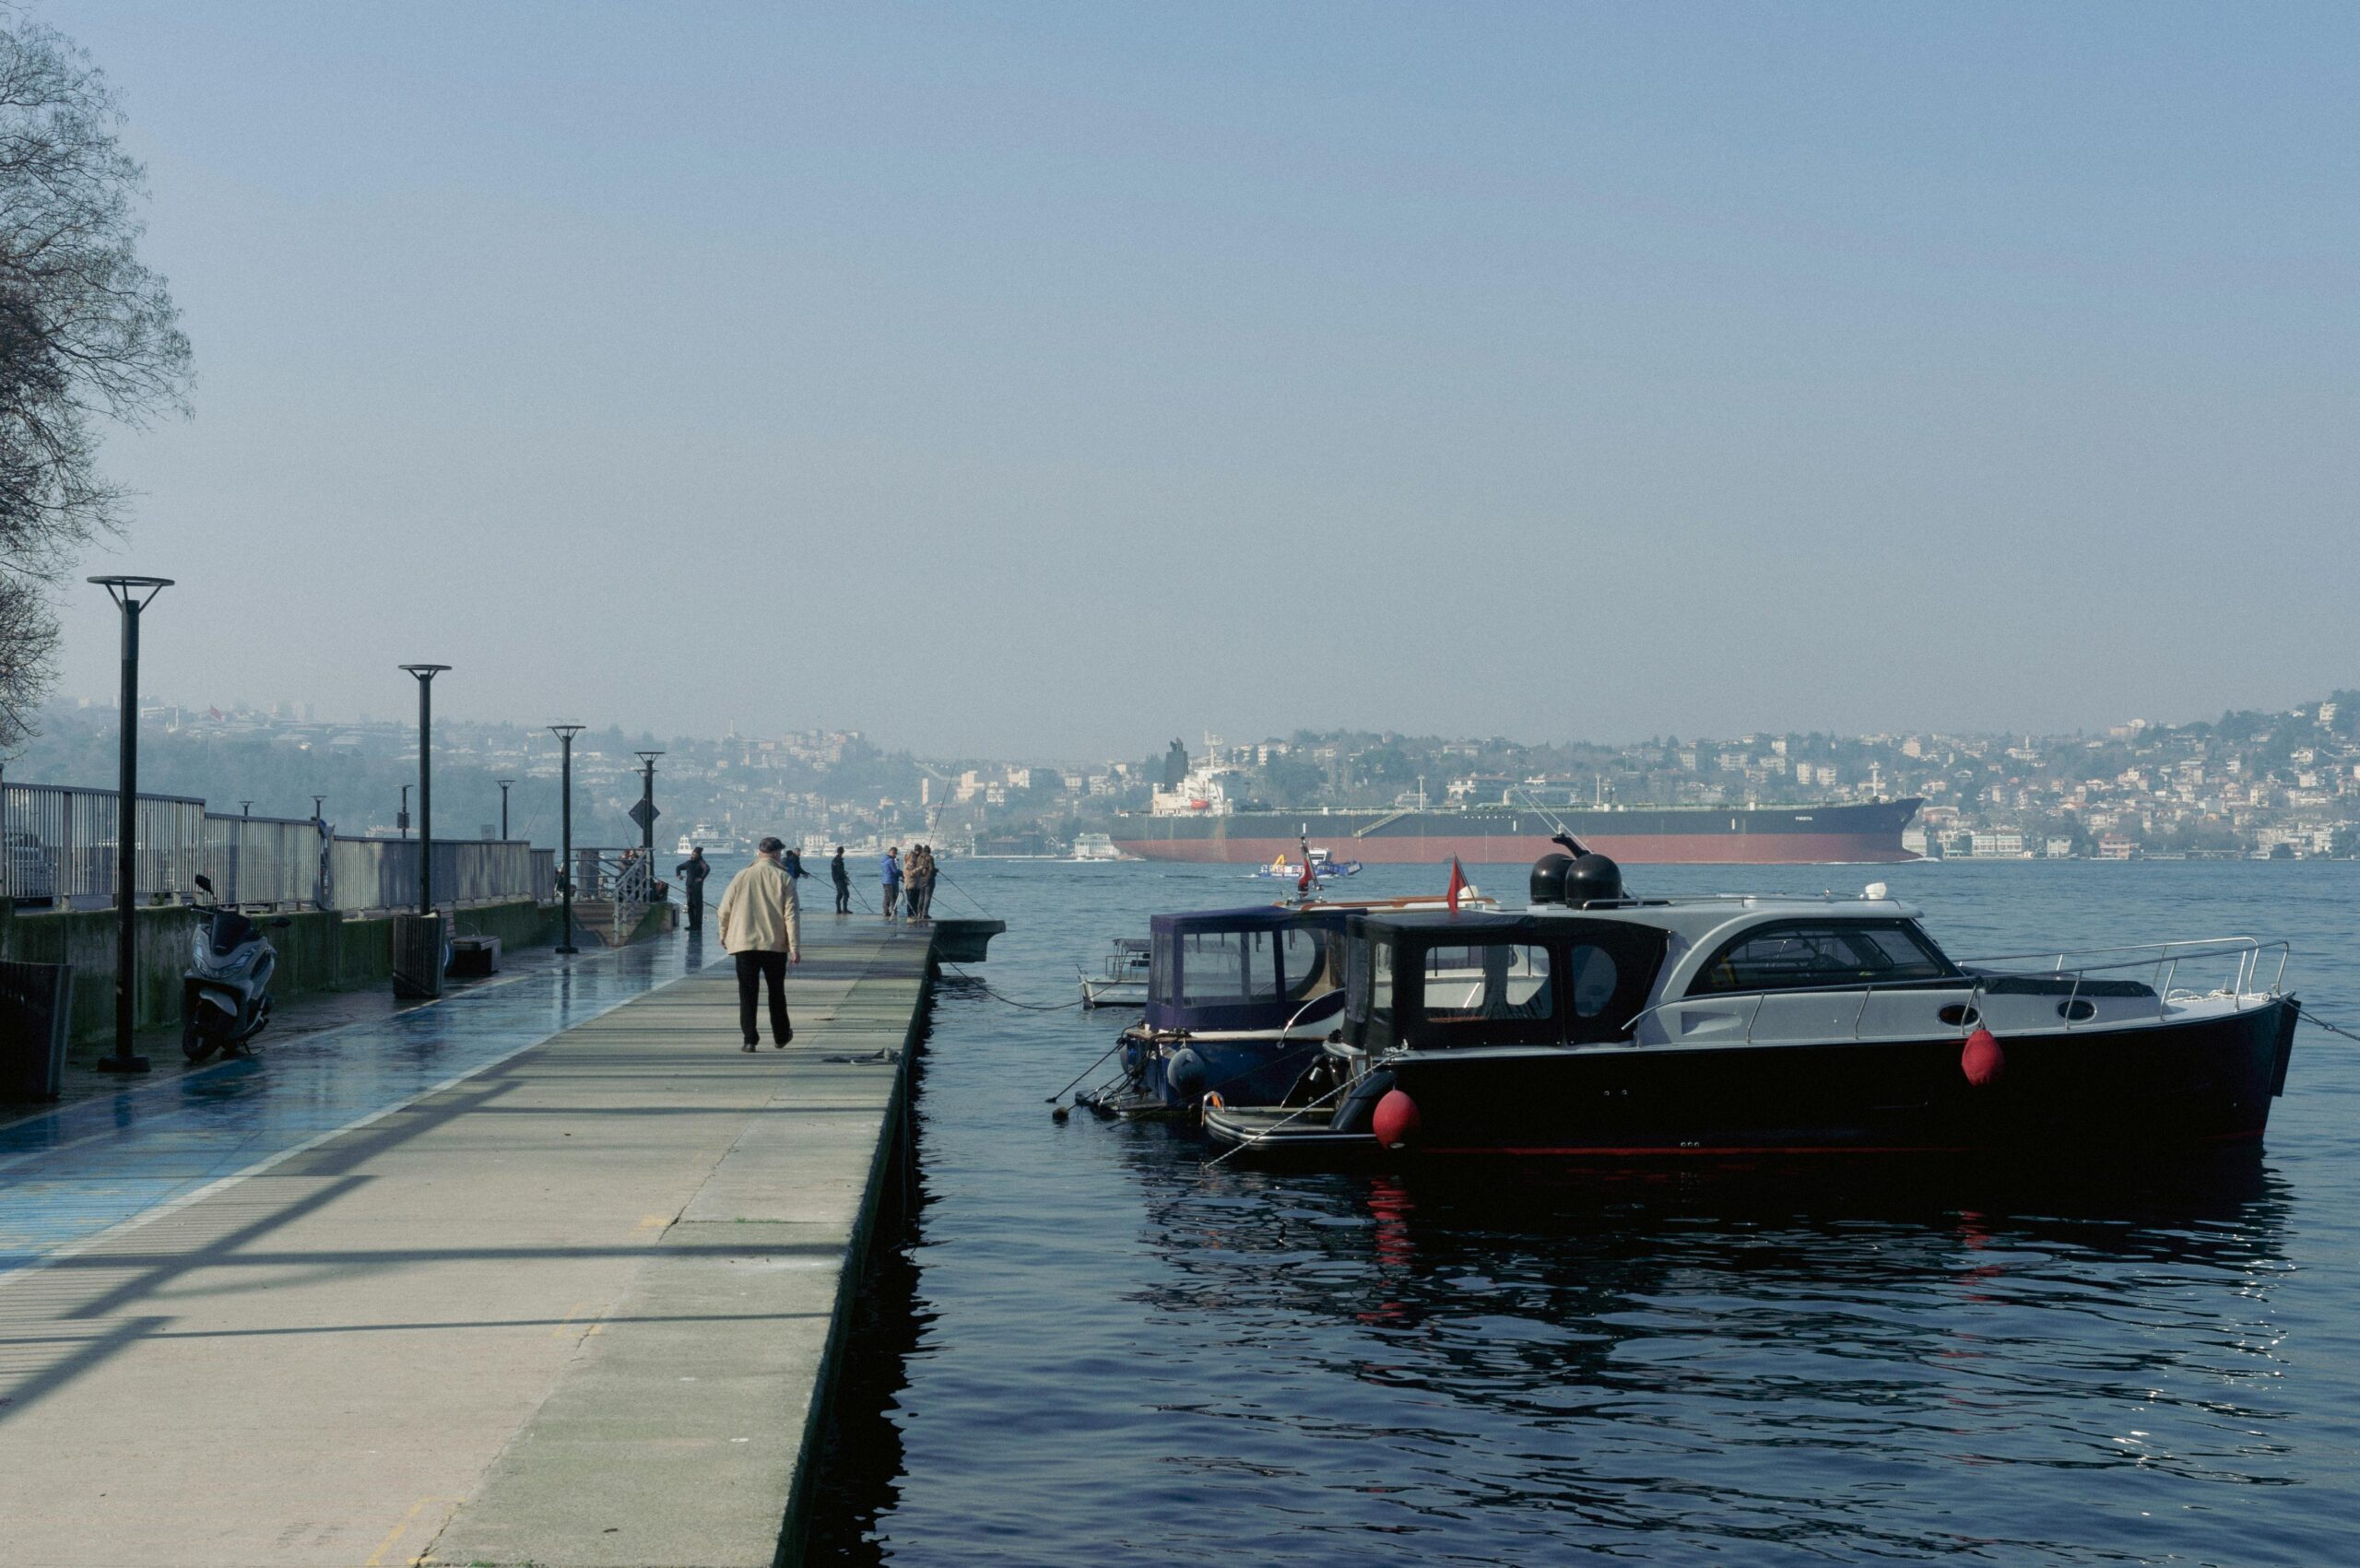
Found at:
<point>1458,883</point>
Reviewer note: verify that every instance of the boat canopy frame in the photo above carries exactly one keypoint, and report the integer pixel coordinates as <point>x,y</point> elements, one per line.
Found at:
<point>1174,1007</point>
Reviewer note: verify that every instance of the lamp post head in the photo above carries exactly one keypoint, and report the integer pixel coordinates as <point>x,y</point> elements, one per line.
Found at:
<point>567,732</point>
<point>133,593</point>
<point>647,757</point>
<point>426,672</point>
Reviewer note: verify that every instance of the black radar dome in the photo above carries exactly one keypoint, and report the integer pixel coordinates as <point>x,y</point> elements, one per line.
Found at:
<point>1591,879</point>
<point>1549,878</point>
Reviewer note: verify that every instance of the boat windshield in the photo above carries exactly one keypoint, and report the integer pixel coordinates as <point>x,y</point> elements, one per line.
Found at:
<point>1221,967</point>
<point>1488,980</point>
<point>1805,956</point>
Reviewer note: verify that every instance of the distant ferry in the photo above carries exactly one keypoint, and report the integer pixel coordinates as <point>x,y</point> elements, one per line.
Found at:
<point>1670,836</point>
<point>710,840</point>
<point>1096,846</point>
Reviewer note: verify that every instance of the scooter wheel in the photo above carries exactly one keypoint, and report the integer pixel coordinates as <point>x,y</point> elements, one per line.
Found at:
<point>195,1044</point>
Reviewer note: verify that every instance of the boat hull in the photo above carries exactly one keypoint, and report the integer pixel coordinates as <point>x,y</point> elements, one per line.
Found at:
<point>2158,1087</point>
<point>1246,1072</point>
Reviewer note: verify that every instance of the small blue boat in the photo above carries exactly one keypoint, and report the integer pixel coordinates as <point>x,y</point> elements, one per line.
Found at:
<point>1239,1002</point>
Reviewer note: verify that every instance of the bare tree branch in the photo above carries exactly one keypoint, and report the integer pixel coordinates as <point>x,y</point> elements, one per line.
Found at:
<point>86,333</point>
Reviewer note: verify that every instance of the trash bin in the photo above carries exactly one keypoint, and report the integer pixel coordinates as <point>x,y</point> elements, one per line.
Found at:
<point>36,1012</point>
<point>418,957</point>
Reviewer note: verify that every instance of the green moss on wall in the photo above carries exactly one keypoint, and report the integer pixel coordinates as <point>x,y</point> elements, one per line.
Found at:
<point>318,950</point>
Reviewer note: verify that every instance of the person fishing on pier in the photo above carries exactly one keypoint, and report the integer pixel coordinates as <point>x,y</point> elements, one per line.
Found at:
<point>892,872</point>
<point>917,882</point>
<point>692,873</point>
<point>761,926</point>
<point>843,878</point>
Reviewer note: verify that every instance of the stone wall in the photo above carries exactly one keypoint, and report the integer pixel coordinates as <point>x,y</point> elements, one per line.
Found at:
<point>318,950</point>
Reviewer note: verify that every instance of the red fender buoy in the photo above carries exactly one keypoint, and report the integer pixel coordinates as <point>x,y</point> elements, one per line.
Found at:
<point>1982,1060</point>
<point>1395,1121</point>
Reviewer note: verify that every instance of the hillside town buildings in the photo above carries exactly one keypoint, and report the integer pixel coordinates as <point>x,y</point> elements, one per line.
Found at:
<point>2282,784</point>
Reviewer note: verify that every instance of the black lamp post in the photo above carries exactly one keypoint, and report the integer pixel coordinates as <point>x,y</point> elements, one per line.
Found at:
<point>401,817</point>
<point>503,784</point>
<point>426,674</point>
<point>565,734</point>
<point>647,807</point>
<point>131,595</point>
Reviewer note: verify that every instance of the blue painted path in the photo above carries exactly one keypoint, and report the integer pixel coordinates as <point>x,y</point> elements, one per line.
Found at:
<point>71,1173</point>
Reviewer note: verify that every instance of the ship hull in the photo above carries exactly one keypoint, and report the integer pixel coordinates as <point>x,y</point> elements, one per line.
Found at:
<point>1784,836</point>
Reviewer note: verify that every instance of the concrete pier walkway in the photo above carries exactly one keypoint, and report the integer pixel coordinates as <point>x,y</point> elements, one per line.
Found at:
<point>575,1308</point>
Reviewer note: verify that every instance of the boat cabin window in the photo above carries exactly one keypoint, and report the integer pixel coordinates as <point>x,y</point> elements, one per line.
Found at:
<point>1593,973</point>
<point>1369,996</point>
<point>1307,961</point>
<point>1813,956</point>
<point>1217,967</point>
<point>1488,981</point>
<point>1159,979</point>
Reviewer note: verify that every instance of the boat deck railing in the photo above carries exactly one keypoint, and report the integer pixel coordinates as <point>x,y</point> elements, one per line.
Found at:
<point>2247,956</point>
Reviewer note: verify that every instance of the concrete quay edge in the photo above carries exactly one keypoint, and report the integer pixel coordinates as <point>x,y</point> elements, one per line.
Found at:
<point>585,1308</point>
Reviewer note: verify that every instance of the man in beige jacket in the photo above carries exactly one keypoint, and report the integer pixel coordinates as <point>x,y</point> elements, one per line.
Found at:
<point>762,925</point>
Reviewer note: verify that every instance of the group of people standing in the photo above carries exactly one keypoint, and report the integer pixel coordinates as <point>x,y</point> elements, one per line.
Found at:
<point>910,878</point>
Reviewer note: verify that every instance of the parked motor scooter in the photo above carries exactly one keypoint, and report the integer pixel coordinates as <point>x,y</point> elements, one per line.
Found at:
<point>225,996</point>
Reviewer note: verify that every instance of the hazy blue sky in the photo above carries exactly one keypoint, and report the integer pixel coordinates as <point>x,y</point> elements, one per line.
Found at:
<point>1056,379</point>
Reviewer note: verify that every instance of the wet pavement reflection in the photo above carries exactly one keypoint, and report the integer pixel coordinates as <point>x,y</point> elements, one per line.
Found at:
<point>70,1174</point>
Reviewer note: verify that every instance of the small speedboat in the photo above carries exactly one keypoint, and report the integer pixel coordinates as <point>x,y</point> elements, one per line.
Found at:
<point>1121,981</point>
<point>1601,1026</point>
<point>1323,867</point>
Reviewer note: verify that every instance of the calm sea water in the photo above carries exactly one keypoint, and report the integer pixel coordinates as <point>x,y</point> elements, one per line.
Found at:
<point>1093,1350</point>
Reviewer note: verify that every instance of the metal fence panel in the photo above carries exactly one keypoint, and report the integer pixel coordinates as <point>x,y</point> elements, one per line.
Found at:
<point>57,848</point>
<point>58,844</point>
<point>271,860</point>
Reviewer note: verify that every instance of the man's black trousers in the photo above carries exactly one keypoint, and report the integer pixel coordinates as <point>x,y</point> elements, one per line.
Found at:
<point>757,966</point>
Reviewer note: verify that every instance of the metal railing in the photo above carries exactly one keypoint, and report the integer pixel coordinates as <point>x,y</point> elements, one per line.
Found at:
<point>622,878</point>
<point>58,845</point>
<point>58,850</point>
<point>382,873</point>
<point>268,860</point>
<point>632,878</point>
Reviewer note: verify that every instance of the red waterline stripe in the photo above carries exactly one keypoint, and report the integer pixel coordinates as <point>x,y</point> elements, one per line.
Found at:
<point>1655,1150</point>
<point>1760,1148</point>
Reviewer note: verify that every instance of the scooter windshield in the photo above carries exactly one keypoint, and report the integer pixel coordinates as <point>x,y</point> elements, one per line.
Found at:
<point>230,930</point>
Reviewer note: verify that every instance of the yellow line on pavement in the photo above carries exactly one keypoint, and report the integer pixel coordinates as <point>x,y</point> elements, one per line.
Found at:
<point>377,1558</point>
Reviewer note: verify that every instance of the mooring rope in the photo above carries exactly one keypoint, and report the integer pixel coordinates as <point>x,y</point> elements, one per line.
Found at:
<point>985,987</point>
<point>2330,1028</point>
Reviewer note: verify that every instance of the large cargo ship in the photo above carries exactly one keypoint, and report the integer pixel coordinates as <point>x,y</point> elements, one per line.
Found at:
<point>1647,835</point>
